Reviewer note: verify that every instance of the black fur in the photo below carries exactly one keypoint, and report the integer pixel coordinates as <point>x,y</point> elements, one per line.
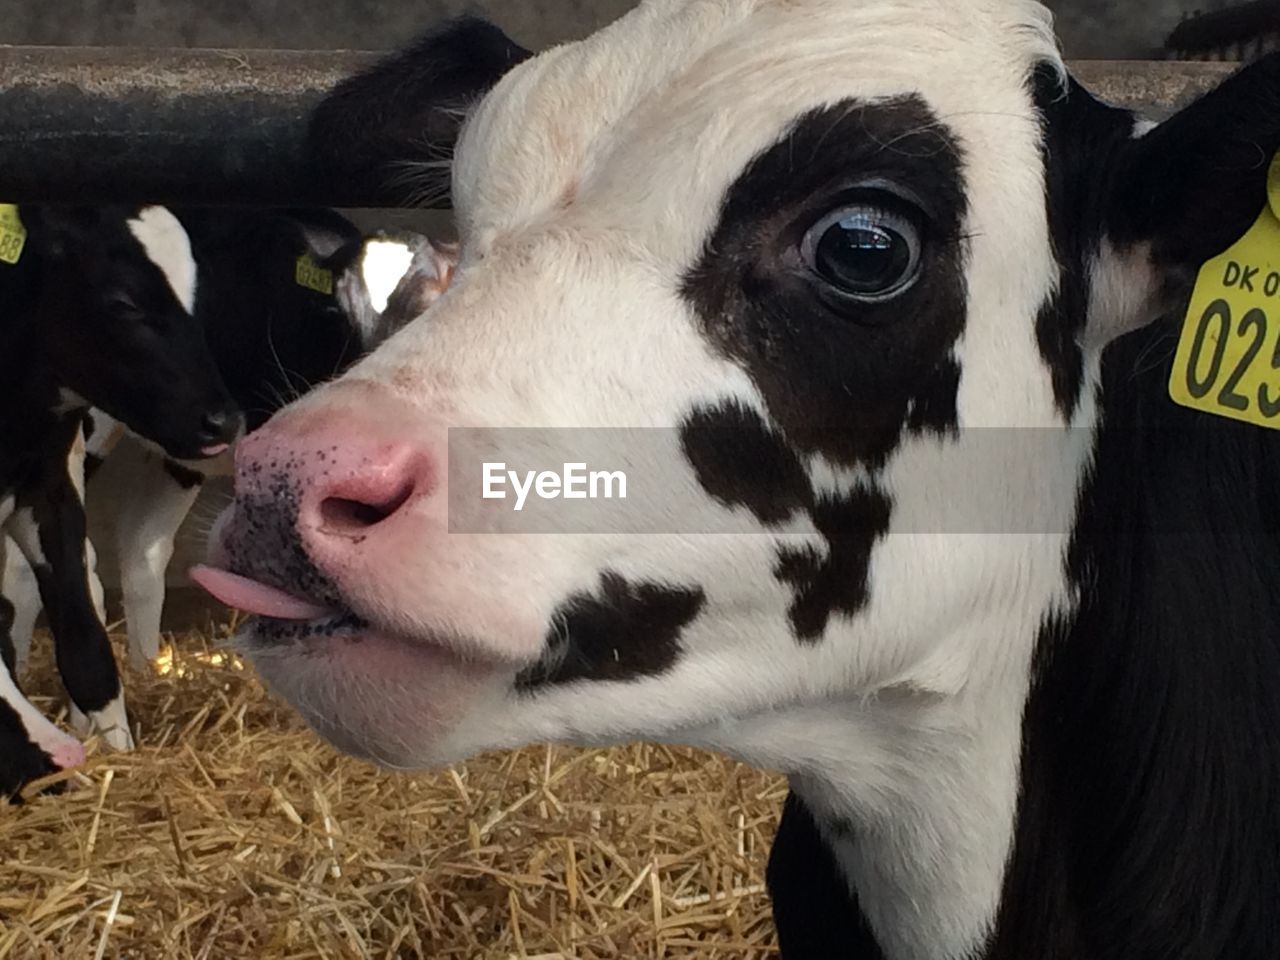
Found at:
<point>740,462</point>
<point>85,309</point>
<point>816,916</point>
<point>273,339</point>
<point>624,631</point>
<point>834,583</point>
<point>1148,824</point>
<point>1081,136</point>
<point>1193,186</point>
<point>182,475</point>
<point>843,385</point>
<point>408,109</point>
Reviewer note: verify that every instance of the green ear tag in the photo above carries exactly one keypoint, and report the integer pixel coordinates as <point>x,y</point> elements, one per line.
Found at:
<point>1228,359</point>
<point>13,235</point>
<point>311,275</point>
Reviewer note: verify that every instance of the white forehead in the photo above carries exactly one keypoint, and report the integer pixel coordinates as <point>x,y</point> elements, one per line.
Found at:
<point>659,112</point>
<point>166,244</point>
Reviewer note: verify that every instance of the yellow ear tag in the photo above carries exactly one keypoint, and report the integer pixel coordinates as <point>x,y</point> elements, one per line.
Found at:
<point>13,235</point>
<point>311,275</point>
<point>1228,359</point>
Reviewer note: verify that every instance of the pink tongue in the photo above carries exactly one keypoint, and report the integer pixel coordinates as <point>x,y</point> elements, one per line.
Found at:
<point>253,597</point>
<point>216,449</point>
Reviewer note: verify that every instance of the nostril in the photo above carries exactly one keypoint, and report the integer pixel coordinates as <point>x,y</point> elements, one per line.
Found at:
<point>343,515</point>
<point>217,425</point>
<point>213,423</point>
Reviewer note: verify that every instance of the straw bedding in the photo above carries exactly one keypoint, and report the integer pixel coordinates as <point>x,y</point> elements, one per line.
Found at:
<point>234,832</point>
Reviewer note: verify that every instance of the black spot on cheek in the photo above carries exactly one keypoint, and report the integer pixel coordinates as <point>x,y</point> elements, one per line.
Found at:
<point>740,462</point>
<point>851,524</point>
<point>625,631</point>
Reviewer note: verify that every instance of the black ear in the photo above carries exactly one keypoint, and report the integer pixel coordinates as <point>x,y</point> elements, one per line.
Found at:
<point>1195,184</point>
<point>408,110</point>
<point>320,231</point>
<point>1135,214</point>
<point>58,231</point>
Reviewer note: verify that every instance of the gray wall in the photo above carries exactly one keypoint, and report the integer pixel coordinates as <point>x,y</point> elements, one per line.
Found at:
<point>1090,28</point>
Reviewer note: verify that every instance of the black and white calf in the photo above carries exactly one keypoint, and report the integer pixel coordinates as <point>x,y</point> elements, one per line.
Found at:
<point>1006,617</point>
<point>275,332</point>
<point>97,309</point>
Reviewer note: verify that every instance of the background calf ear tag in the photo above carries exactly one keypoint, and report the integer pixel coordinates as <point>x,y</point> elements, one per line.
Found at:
<point>307,273</point>
<point>13,235</point>
<point>1228,359</point>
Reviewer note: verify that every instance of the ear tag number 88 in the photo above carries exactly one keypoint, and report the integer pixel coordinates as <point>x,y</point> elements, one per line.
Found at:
<point>1228,358</point>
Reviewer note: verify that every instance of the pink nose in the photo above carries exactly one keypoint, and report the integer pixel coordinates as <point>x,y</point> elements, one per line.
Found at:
<point>339,474</point>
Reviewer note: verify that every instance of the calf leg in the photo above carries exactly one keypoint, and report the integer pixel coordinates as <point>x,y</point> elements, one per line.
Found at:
<point>30,746</point>
<point>49,526</point>
<point>23,593</point>
<point>157,495</point>
<point>146,526</point>
<point>18,582</point>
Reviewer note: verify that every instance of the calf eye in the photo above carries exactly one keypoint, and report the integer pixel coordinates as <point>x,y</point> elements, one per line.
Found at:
<point>866,251</point>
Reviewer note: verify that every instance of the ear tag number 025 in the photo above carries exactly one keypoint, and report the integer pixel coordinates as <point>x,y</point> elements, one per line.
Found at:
<point>1228,358</point>
<point>13,235</point>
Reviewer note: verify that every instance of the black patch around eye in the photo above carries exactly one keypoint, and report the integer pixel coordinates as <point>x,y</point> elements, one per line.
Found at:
<point>842,383</point>
<point>625,631</point>
<point>933,409</point>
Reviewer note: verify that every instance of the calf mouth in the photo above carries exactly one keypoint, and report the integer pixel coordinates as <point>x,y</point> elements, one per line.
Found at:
<point>372,692</point>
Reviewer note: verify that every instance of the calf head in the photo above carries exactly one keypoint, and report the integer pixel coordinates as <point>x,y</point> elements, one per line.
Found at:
<point>118,291</point>
<point>842,273</point>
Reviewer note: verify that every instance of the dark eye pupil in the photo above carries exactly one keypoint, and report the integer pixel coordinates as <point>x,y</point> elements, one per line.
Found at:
<point>862,258</point>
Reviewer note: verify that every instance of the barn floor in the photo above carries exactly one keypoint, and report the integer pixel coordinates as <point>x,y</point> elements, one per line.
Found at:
<point>233,832</point>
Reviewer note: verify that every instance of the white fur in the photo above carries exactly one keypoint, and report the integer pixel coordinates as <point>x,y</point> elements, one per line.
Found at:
<point>166,244</point>
<point>382,266</point>
<point>150,510</point>
<point>111,723</point>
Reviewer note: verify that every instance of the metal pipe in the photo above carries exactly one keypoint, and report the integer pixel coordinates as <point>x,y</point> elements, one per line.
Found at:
<point>96,124</point>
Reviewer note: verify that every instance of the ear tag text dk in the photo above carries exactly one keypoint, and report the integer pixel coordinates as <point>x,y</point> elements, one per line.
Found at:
<point>13,235</point>
<point>1228,358</point>
<point>311,275</point>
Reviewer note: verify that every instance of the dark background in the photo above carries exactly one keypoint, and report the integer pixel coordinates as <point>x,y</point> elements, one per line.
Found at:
<point>1089,28</point>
